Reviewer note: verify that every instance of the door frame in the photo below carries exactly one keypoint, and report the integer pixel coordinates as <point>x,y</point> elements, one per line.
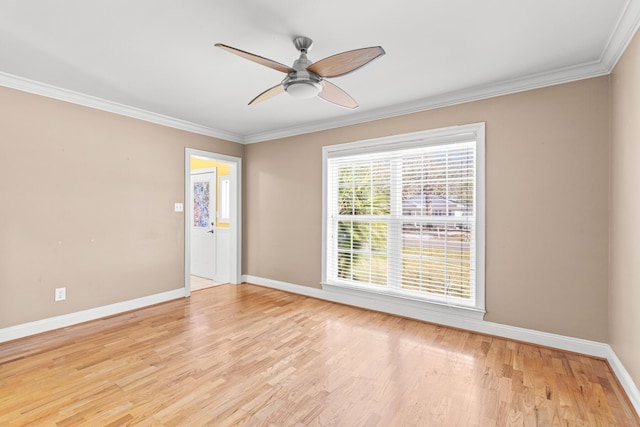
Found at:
<point>235,213</point>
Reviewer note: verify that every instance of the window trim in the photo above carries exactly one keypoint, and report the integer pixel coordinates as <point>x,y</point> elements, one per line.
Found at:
<point>405,141</point>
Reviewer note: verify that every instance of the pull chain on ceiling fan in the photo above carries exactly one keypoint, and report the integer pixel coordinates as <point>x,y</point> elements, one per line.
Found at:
<point>306,79</point>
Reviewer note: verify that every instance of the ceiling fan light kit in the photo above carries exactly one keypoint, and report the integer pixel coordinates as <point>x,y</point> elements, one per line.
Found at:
<point>306,79</point>
<point>303,89</point>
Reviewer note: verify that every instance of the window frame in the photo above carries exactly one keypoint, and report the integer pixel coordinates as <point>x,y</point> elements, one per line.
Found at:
<point>441,136</point>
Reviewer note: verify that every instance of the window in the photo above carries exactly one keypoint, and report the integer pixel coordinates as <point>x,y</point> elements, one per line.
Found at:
<point>404,216</point>
<point>224,199</point>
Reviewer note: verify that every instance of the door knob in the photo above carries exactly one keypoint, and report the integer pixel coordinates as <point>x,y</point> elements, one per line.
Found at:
<point>211,231</point>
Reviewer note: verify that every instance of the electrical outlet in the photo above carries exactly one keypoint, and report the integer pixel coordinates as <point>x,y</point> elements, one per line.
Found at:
<point>60,294</point>
<point>178,207</point>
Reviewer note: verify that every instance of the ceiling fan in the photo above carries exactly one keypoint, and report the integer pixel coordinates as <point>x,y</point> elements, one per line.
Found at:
<point>306,79</point>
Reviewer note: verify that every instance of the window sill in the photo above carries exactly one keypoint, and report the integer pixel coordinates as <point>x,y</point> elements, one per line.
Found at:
<point>402,305</point>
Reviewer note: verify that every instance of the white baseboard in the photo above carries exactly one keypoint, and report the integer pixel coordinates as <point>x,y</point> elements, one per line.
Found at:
<point>625,379</point>
<point>561,342</point>
<point>374,302</point>
<point>44,325</point>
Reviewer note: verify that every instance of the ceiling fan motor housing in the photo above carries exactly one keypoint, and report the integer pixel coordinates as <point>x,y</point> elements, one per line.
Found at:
<point>302,83</point>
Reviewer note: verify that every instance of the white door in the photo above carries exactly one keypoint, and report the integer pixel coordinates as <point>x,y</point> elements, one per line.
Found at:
<point>203,223</point>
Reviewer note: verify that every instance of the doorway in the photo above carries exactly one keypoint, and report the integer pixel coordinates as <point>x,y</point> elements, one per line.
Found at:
<point>212,219</point>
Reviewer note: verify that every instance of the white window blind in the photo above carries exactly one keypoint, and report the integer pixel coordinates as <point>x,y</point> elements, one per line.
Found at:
<point>402,219</point>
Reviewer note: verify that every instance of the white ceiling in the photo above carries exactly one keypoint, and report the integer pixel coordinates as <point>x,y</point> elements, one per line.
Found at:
<point>156,60</point>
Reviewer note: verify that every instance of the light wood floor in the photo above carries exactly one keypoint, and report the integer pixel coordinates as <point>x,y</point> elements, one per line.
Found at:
<point>246,355</point>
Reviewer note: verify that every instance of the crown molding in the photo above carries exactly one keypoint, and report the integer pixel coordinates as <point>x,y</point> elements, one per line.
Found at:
<point>624,31</point>
<point>49,91</point>
<point>622,34</point>
<point>477,93</point>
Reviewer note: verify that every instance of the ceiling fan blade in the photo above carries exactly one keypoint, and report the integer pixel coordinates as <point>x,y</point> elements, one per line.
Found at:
<point>267,94</point>
<point>345,62</point>
<point>335,95</point>
<point>256,58</point>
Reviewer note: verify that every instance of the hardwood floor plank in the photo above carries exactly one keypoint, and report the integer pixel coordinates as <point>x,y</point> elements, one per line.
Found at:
<point>250,356</point>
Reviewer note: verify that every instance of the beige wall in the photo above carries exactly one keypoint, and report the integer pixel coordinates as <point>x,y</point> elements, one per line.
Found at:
<point>547,203</point>
<point>87,203</point>
<point>92,208</point>
<point>624,292</point>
